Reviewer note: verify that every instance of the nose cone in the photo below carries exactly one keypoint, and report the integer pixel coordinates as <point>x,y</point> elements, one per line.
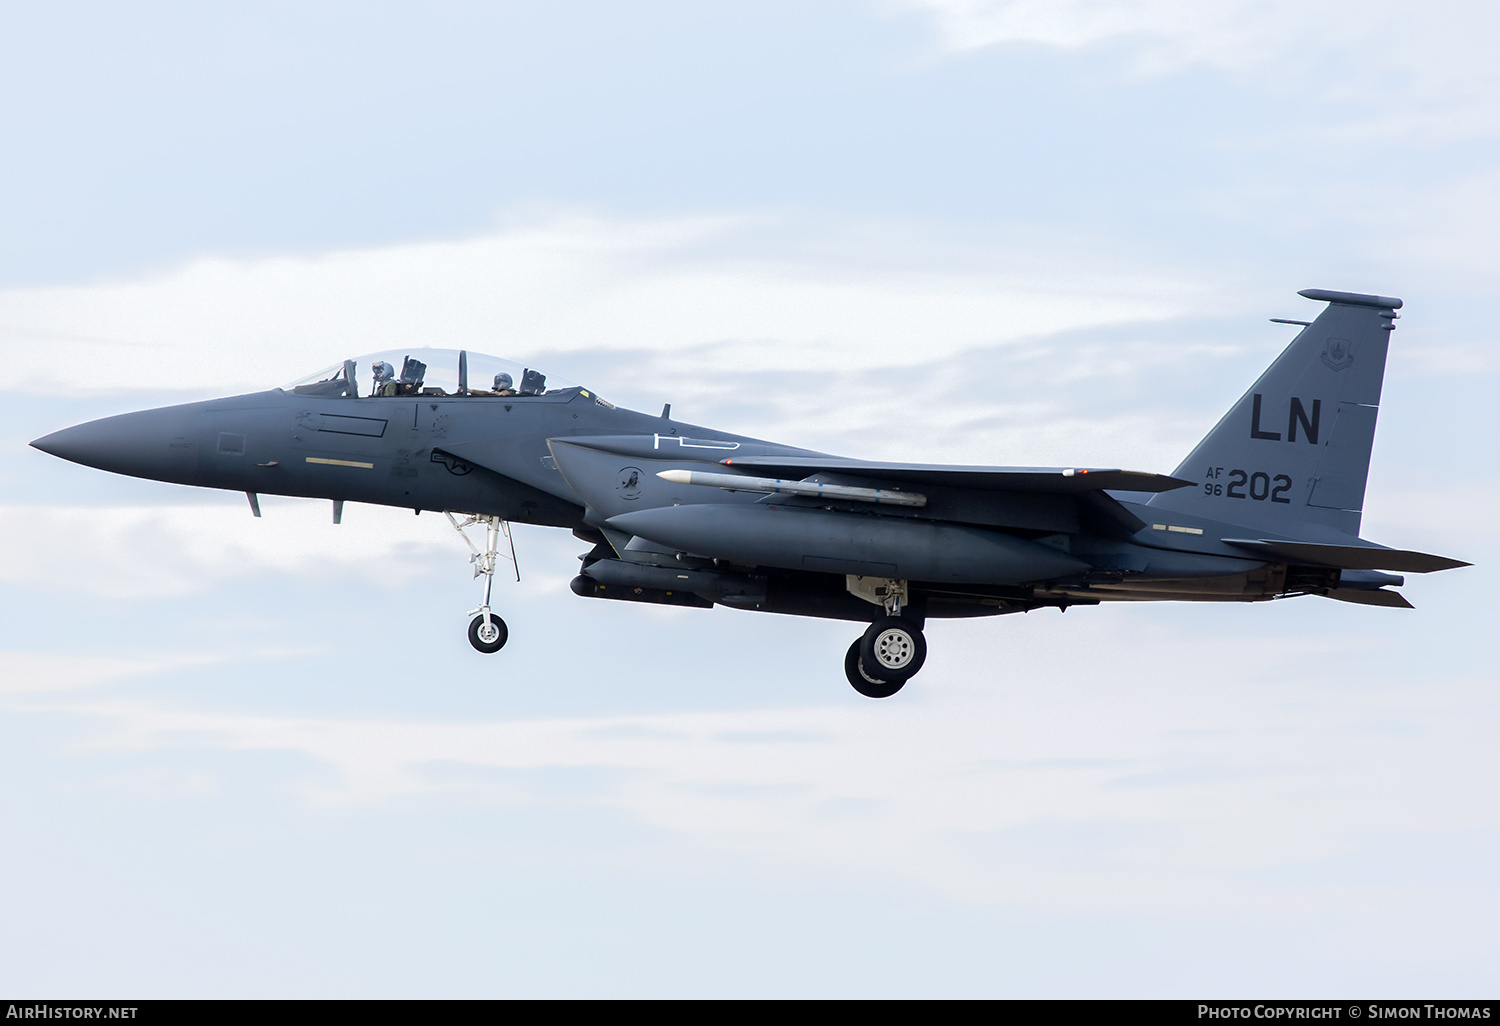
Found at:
<point>159,444</point>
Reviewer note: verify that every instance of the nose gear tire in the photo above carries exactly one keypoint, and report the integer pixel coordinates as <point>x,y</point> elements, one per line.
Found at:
<point>491,638</point>
<point>862,681</point>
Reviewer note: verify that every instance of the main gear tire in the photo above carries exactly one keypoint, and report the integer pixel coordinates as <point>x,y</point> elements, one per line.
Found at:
<point>489,637</point>
<point>866,685</point>
<point>893,648</point>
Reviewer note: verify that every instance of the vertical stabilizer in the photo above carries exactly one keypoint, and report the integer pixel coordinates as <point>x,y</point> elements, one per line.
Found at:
<point>1295,450</point>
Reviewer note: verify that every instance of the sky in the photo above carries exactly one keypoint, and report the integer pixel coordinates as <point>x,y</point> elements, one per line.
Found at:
<point>257,758</point>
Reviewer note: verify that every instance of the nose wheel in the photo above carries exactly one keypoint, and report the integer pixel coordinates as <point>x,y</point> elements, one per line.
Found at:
<point>487,632</point>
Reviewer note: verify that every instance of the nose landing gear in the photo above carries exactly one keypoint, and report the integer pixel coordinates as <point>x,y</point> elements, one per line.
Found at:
<point>487,632</point>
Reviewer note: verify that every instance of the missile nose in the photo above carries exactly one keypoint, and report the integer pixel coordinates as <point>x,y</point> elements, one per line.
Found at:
<point>159,444</point>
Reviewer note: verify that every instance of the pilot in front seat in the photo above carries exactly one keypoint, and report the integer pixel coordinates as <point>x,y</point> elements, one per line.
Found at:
<point>385,379</point>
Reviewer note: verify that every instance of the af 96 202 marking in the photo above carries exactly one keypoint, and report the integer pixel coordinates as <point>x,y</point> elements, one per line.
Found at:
<point>1257,485</point>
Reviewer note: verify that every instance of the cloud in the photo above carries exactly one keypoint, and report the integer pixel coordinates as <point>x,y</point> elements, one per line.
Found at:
<point>30,673</point>
<point>1422,72</point>
<point>824,298</point>
<point>1105,789</point>
<point>154,552</point>
<point>159,551</point>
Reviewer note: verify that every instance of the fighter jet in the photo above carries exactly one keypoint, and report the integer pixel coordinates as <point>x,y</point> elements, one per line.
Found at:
<point>1267,506</point>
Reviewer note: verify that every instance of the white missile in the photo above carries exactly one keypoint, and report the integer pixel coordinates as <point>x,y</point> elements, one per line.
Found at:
<point>774,485</point>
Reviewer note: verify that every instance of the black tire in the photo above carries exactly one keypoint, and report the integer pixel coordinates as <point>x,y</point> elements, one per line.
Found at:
<point>863,682</point>
<point>477,632</point>
<point>893,648</point>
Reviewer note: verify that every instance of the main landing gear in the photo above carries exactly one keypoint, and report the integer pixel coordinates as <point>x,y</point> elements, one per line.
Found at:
<point>890,653</point>
<point>487,632</point>
<point>892,650</point>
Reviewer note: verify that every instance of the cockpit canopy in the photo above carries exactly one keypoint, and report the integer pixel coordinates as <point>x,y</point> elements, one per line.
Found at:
<point>435,372</point>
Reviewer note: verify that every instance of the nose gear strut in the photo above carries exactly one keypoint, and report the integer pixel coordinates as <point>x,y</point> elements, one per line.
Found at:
<point>487,632</point>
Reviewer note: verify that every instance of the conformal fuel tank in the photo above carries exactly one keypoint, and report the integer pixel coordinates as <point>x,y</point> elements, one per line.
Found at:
<point>848,543</point>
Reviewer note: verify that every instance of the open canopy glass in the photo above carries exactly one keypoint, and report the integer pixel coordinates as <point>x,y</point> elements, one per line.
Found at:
<point>434,372</point>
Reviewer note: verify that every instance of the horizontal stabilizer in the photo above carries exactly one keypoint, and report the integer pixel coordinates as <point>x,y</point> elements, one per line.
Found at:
<point>1366,597</point>
<point>1065,480</point>
<point>1347,557</point>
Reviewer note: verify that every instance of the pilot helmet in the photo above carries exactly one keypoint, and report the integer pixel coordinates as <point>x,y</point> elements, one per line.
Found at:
<point>503,381</point>
<point>384,371</point>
